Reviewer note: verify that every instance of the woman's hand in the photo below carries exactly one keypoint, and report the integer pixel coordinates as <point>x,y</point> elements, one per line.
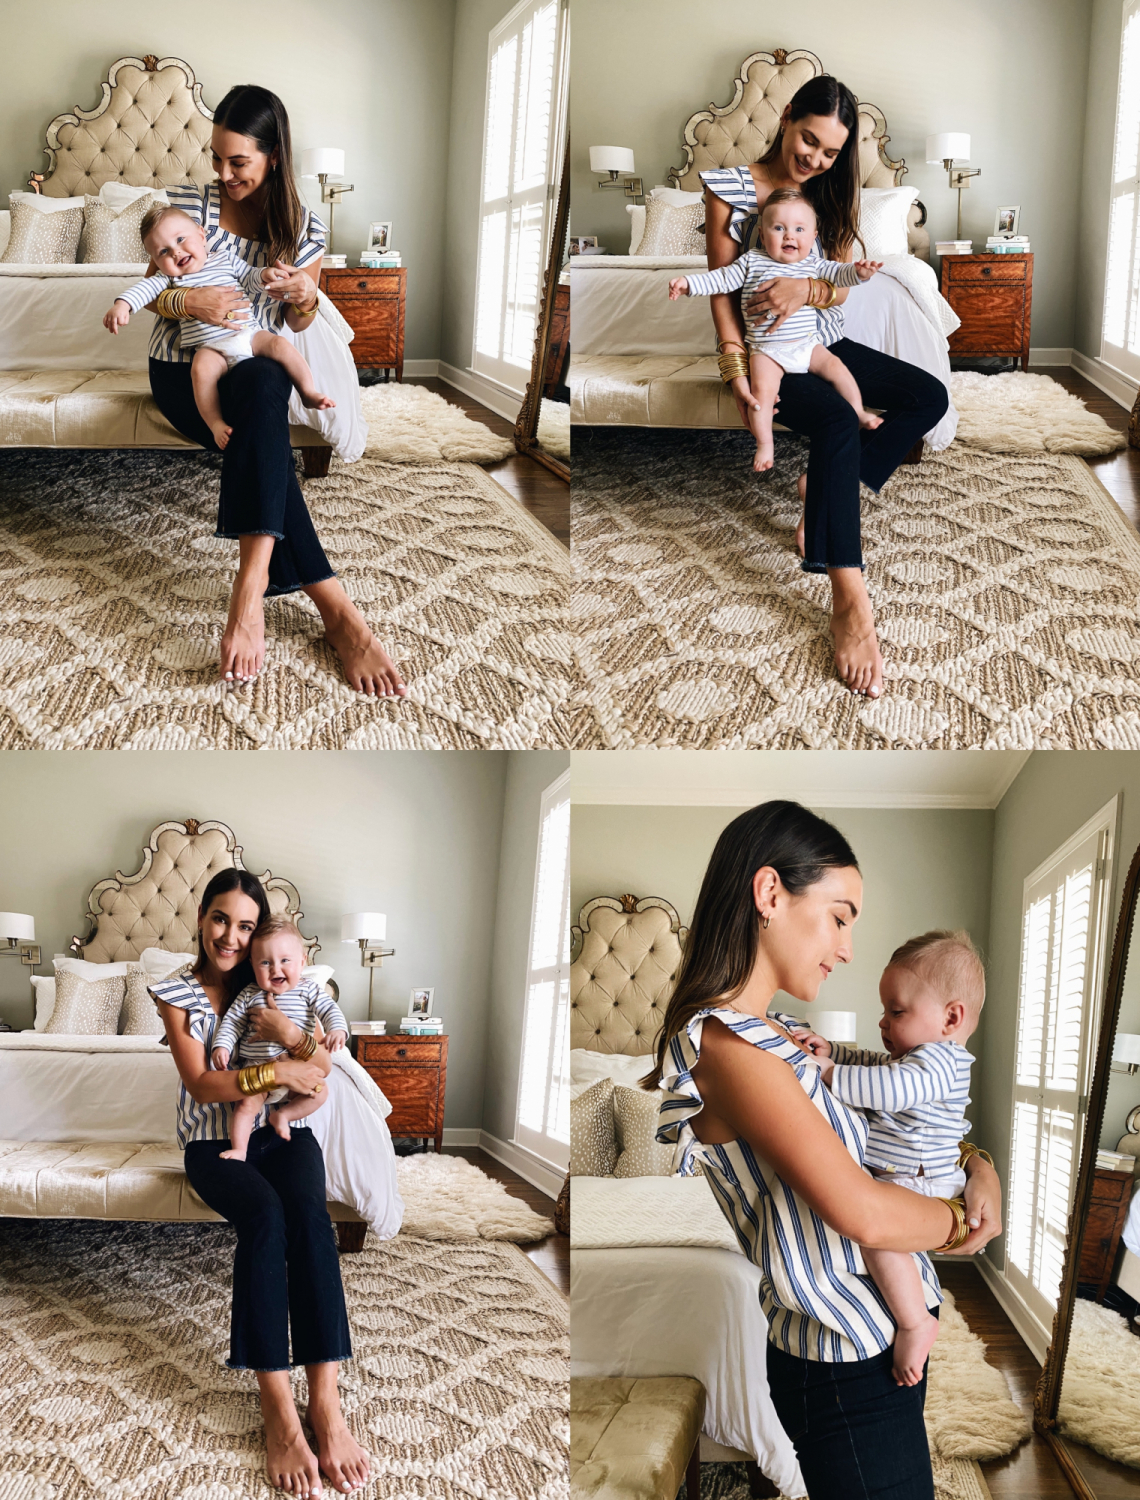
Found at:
<point>269,1023</point>
<point>211,304</point>
<point>983,1206</point>
<point>298,1077</point>
<point>778,299</point>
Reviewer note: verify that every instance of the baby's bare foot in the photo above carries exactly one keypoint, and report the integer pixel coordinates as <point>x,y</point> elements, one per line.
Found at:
<point>222,433</point>
<point>765,451</point>
<point>868,419</point>
<point>281,1126</point>
<point>232,1156</point>
<point>315,400</point>
<point>912,1345</point>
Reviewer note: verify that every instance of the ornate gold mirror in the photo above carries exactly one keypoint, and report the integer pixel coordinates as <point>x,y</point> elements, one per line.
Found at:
<point>543,426</point>
<point>1087,1398</point>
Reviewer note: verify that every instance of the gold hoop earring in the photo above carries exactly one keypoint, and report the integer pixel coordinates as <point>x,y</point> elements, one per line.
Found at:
<point>765,922</point>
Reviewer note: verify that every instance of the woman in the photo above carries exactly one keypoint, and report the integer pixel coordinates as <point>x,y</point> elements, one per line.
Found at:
<point>782,1156</point>
<point>286,1270</point>
<point>254,209</point>
<point>817,152</point>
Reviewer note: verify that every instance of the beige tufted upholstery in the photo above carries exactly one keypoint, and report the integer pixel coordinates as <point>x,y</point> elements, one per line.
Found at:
<point>622,978</point>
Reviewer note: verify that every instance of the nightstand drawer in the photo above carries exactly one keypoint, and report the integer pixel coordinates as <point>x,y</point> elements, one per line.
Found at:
<point>365,282</point>
<point>999,268</point>
<point>1111,1187</point>
<point>415,1099</point>
<point>422,1051</point>
<point>993,319</point>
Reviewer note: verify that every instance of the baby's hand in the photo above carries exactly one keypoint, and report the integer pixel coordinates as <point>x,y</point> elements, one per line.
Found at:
<point>335,1040</point>
<point>812,1044</point>
<point>678,287</point>
<point>118,317</point>
<point>221,1059</point>
<point>867,268</point>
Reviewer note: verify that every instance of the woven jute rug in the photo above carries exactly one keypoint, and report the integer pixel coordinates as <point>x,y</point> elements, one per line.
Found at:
<point>113,1337</point>
<point>115,593</point>
<point>1006,590</point>
<point>954,1479</point>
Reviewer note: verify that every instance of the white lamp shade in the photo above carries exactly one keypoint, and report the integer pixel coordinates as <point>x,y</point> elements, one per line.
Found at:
<point>14,924</point>
<point>835,1025</point>
<point>320,159</point>
<point>951,146</point>
<point>370,925</point>
<point>1127,1048</point>
<point>611,159</point>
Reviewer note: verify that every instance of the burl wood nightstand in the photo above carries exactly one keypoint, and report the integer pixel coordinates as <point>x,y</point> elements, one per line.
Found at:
<point>372,303</point>
<point>993,296</point>
<point>1108,1210</point>
<point>411,1072</point>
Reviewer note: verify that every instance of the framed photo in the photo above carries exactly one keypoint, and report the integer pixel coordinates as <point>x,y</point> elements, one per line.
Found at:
<point>580,242</point>
<point>420,1003</point>
<point>379,236</point>
<point>1007,219</point>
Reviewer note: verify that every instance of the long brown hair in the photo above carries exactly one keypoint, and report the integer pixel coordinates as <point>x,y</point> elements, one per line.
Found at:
<point>255,112</point>
<point>834,194</point>
<point>221,885</point>
<point>721,948</point>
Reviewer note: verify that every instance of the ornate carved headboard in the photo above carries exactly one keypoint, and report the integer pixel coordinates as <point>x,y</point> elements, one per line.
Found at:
<point>739,132</point>
<point>151,130</point>
<point>157,906</point>
<point>628,954</point>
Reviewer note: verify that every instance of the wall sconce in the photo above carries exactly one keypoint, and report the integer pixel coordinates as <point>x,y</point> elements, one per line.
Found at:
<point>1126,1051</point>
<point>19,932</point>
<point>616,162</point>
<point>945,149</point>
<point>835,1025</point>
<point>323,162</point>
<point>369,929</point>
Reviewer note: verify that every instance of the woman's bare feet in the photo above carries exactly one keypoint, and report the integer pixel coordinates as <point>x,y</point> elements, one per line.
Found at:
<point>367,666</point>
<point>857,657</point>
<point>289,1461</point>
<point>801,485</point>
<point>912,1345</point>
<point>344,1462</point>
<point>243,644</point>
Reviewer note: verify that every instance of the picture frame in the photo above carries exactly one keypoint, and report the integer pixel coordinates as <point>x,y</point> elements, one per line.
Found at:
<point>578,242</point>
<point>420,1003</point>
<point>379,235</point>
<point>1006,221</point>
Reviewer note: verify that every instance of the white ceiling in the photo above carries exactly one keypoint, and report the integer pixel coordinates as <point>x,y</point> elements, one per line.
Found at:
<point>819,778</point>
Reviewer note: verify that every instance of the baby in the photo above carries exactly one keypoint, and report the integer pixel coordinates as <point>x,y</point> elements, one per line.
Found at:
<point>178,248</point>
<point>787,233</point>
<point>915,1094</point>
<point>277,953</point>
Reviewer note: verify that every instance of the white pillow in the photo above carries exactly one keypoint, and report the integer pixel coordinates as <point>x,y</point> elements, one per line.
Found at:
<point>157,963</point>
<point>120,195</point>
<point>322,973</point>
<point>44,204</point>
<point>5,228</point>
<point>674,197</point>
<point>64,964</point>
<point>882,220</point>
<point>44,989</point>
<point>587,1067</point>
<point>636,212</point>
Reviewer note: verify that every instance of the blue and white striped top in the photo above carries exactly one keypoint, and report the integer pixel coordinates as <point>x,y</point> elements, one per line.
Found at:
<point>747,272</point>
<point>221,268</point>
<point>203,206</point>
<point>304,1004</point>
<point>815,1291</point>
<point>735,186</point>
<point>915,1106</point>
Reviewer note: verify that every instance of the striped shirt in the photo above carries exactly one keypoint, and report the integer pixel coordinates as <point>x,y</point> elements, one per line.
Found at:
<point>304,1004</point>
<point>196,1122</point>
<point>203,205</point>
<point>815,1291</point>
<point>915,1105</point>
<point>735,186</point>
<point>222,268</point>
<point>746,273</point>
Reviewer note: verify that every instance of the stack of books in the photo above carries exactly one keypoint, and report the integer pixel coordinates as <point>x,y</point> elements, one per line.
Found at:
<point>1007,244</point>
<point>421,1025</point>
<point>954,247</point>
<point>1115,1161</point>
<point>378,260</point>
<point>367,1028</point>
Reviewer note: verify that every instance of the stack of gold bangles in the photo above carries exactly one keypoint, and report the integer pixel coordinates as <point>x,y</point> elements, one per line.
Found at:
<point>825,286</point>
<point>305,1048</point>
<point>258,1078</point>
<point>732,366</point>
<point>968,1149</point>
<point>961,1231</point>
<point>172,302</point>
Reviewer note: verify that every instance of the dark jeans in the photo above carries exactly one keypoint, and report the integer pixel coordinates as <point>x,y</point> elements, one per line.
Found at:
<point>857,1435</point>
<point>260,495</point>
<point>842,453</point>
<point>286,1270</point>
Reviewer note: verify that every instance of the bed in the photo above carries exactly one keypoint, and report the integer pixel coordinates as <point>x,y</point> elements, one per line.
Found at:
<point>658,1283</point>
<point>1127,1273</point>
<point>87,1123</point>
<point>64,382</point>
<point>639,360</point>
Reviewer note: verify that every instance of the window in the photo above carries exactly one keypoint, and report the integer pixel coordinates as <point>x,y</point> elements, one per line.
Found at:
<point>1064,933</point>
<point>1120,344</point>
<point>543,1118</point>
<point>522,143</point>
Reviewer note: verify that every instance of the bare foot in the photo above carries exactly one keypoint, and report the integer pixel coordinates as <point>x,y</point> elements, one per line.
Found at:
<point>762,459</point>
<point>289,1461</point>
<point>367,666</point>
<point>222,433</point>
<point>344,1462</point>
<point>243,644</point>
<point>232,1156</point>
<point>912,1345</point>
<point>857,657</point>
<point>801,485</point>
<point>318,402</point>
<point>868,419</point>
<point>281,1126</point>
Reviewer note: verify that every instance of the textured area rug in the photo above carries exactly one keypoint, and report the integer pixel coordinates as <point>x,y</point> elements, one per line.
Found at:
<point>954,1479</point>
<point>969,1411</point>
<point>1006,589</point>
<point>111,1364</point>
<point>554,428</point>
<point>448,1198</point>
<point>115,594</point>
<point>1100,1392</point>
<point>408,424</point>
<point>1016,412</point>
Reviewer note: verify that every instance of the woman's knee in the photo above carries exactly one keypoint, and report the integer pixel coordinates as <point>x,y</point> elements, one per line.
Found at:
<point>259,379</point>
<point>928,394</point>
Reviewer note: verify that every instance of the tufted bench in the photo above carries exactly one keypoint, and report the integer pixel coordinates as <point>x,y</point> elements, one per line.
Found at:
<point>635,1439</point>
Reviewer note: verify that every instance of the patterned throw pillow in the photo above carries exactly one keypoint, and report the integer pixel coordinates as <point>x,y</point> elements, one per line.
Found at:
<point>592,1148</point>
<point>673,231</point>
<point>636,1117</point>
<point>110,236</point>
<point>86,1007</point>
<point>41,239</point>
<point>140,1014</point>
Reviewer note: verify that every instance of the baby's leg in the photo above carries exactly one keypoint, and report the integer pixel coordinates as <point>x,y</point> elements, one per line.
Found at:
<point>897,1277</point>
<point>296,1107</point>
<point>207,369</point>
<point>836,373</point>
<point>241,1126</point>
<point>766,375</point>
<point>296,367</point>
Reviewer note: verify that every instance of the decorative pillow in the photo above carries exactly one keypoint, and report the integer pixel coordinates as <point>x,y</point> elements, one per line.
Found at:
<point>44,990</point>
<point>111,235</point>
<point>592,1149</point>
<point>42,203</point>
<point>636,212</point>
<point>586,1066</point>
<point>5,228</point>
<point>86,1007</point>
<point>882,220</point>
<point>157,963</point>
<point>64,963</point>
<point>43,239</point>
<point>119,195</point>
<point>673,231</point>
<point>139,1016</point>
<point>675,197</point>
<point>636,1116</point>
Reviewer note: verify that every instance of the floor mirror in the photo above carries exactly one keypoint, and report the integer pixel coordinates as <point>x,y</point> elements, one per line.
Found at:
<point>543,426</point>
<point>1096,1342</point>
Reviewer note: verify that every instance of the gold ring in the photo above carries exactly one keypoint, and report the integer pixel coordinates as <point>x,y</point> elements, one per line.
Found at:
<point>318,1088</point>
<point>229,315</point>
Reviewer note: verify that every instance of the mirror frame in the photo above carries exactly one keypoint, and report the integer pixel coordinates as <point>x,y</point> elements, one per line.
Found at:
<point>526,427</point>
<point>1048,1393</point>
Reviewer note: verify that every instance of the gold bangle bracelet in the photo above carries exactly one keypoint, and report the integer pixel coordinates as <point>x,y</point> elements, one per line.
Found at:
<point>735,343</point>
<point>968,1149</point>
<point>961,1231</point>
<point>305,1048</point>
<point>246,1079</point>
<point>306,312</point>
<point>832,291</point>
<point>732,367</point>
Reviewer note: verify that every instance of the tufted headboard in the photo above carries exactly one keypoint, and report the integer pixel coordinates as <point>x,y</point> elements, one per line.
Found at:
<point>157,906</point>
<point>739,132</point>
<point>151,130</point>
<point>628,954</point>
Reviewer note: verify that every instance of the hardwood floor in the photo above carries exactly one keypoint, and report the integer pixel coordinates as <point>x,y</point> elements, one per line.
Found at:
<point>1118,472</point>
<point>536,489</point>
<point>551,1255</point>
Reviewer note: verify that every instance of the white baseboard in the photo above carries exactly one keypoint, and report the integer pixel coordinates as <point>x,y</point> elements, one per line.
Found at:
<point>1028,1325</point>
<point>1050,357</point>
<point>546,1178</point>
<point>1120,387</point>
<point>461,1137</point>
<point>480,389</point>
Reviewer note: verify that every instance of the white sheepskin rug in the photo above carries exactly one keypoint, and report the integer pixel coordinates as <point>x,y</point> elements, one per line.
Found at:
<point>969,1411</point>
<point>1100,1392</point>
<point>408,424</point>
<point>448,1198</point>
<point>1020,413</point>
<point>554,428</point>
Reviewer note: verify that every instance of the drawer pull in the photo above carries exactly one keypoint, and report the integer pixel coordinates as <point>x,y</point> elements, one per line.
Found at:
<point>362,286</point>
<point>401,1052</point>
<point>985,270</point>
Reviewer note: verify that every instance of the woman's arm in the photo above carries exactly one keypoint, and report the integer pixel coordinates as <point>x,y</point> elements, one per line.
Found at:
<point>207,1086</point>
<point>296,286</point>
<point>722,250</point>
<point>269,1023</point>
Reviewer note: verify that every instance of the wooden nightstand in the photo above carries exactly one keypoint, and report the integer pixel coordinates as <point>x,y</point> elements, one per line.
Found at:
<point>372,302</point>
<point>1108,1209</point>
<point>993,296</point>
<point>411,1072</point>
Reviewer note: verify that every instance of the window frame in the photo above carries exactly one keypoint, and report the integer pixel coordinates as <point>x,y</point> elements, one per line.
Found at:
<point>1116,357</point>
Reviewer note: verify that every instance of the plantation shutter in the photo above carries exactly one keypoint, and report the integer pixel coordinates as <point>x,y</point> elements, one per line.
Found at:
<point>543,1119</point>
<point>525,73</point>
<point>1121,332</point>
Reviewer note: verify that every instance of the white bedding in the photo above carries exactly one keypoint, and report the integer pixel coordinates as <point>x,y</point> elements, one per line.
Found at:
<point>1131,1234</point>
<point>626,1212</point>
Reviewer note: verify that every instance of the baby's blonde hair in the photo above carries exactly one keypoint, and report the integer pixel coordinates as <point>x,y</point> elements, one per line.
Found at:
<point>154,217</point>
<point>948,962</point>
<point>786,195</point>
<point>279,921</point>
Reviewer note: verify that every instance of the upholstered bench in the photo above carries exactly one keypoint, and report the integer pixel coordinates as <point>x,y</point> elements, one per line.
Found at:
<point>106,409</point>
<point>635,1439</point>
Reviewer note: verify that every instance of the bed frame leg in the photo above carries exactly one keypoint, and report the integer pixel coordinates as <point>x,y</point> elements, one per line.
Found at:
<point>350,1237</point>
<point>760,1487</point>
<point>693,1473</point>
<point>913,457</point>
<point>316,461</point>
